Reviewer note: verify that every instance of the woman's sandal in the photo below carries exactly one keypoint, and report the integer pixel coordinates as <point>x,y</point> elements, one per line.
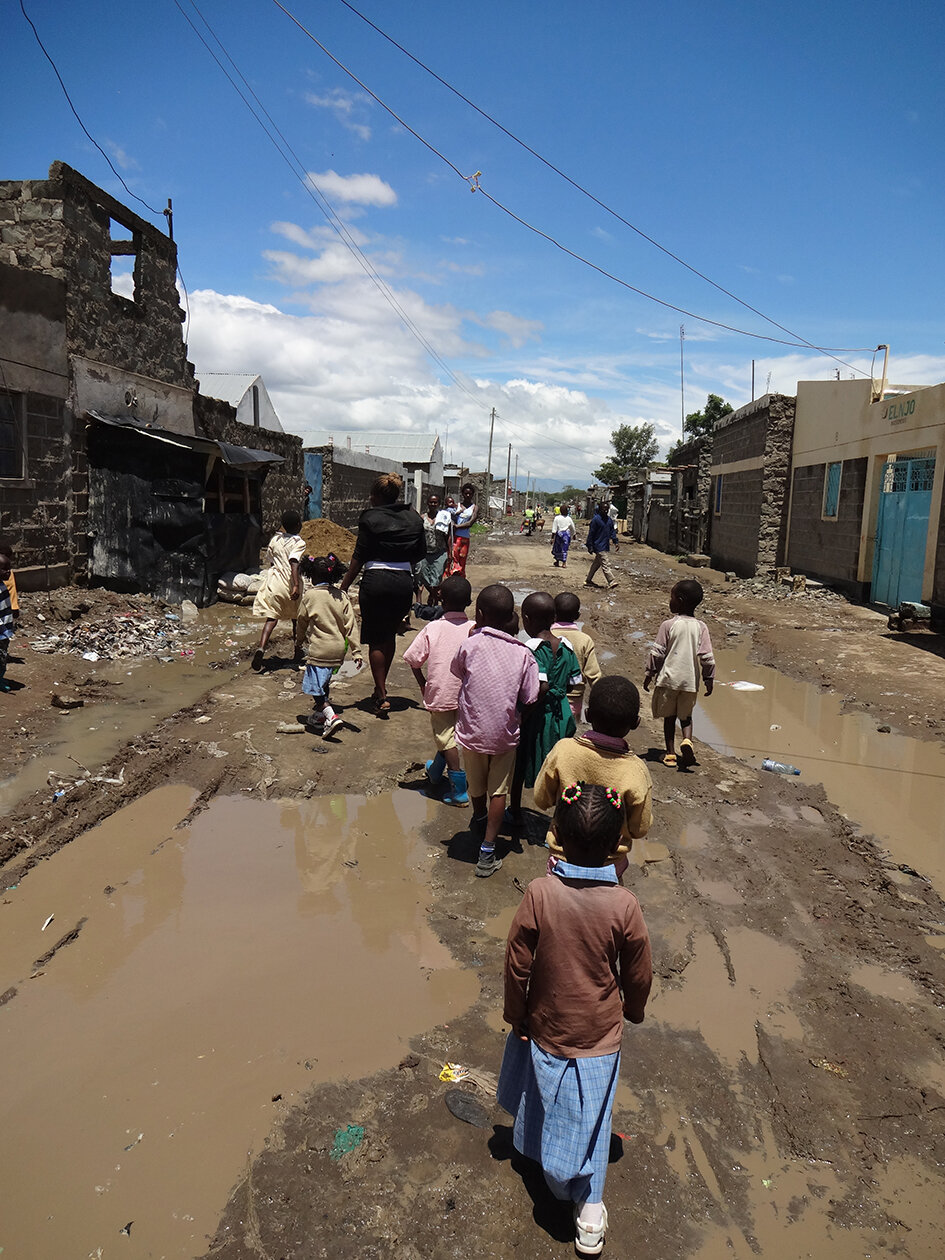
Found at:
<point>381,704</point>
<point>669,759</point>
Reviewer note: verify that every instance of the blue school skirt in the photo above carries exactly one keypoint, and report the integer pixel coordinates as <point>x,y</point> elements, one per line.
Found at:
<point>562,1110</point>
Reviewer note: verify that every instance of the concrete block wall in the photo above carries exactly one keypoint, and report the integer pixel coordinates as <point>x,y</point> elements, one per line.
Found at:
<point>828,549</point>
<point>734,532</point>
<point>46,514</point>
<point>284,484</point>
<point>749,534</point>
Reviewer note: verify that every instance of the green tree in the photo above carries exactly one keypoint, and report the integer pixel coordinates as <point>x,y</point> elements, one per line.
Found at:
<point>635,446</point>
<point>699,423</point>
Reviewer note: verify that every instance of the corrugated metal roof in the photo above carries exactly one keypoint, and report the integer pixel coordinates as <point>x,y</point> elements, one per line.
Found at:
<point>409,448</point>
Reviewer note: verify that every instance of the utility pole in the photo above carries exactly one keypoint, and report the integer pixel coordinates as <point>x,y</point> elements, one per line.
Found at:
<point>515,481</point>
<point>527,479</point>
<point>508,469</point>
<point>489,462</point>
<point>682,383</point>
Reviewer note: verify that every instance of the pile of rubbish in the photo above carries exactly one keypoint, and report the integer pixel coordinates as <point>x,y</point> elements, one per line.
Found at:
<point>122,636</point>
<point>238,588</point>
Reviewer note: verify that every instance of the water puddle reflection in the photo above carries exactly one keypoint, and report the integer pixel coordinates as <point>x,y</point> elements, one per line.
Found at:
<point>220,970</point>
<point>891,785</point>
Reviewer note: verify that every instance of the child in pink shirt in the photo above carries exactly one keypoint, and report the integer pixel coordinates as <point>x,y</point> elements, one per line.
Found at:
<point>435,646</point>
<point>497,675</point>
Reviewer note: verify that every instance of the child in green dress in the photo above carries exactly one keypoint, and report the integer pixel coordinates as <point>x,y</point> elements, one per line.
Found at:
<point>549,718</point>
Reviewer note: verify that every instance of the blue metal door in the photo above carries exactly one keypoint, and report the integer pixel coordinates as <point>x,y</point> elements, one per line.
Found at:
<point>313,476</point>
<point>902,527</point>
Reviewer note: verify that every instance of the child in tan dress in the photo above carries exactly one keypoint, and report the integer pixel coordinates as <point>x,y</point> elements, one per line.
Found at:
<point>278,598</point>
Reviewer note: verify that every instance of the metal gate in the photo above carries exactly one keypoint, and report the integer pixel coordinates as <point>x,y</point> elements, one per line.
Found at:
<point>902,527</point>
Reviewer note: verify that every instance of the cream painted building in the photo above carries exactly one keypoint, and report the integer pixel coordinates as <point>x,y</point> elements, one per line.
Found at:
<point>865,510</point>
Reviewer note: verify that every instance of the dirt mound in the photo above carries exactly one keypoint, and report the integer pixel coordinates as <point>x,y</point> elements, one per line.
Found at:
<point>323,536</point>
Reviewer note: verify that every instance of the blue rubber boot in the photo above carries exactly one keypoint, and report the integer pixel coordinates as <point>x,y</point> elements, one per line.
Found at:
<point>435,768</point>
<point>456,793</point>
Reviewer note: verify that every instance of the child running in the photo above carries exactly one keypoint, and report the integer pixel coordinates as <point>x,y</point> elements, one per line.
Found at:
<point>567,611</point>
<point>602,756</point>
<point>682,649</point>
<point>577,963</point>
<point>497,674</point>
<point>435,646</point>
<point>7,614</point>
<point>550,719</point>
<point>325,630</point>
<point>278,597</point>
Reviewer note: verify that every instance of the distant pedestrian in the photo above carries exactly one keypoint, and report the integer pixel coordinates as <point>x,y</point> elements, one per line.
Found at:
<point>681,652</point>
<point>567,611</point>
<point>498,675</point>
<point>577,964</point>
<point>549,718</point>
<point>562,534</point>
<point>438,536</point>
<point>278,597</point>
<point>390,541</point>
<point>435,646</point>
<point>600,534</point>
<point>466,516</point>
<point>326,631</point>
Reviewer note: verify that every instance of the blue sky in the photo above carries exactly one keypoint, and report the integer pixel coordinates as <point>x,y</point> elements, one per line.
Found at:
<point>792,153</point>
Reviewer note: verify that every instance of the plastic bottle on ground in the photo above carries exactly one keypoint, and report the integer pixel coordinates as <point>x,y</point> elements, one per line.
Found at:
<point>778,767</point>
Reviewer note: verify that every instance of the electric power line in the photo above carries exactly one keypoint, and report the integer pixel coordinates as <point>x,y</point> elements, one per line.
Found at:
<point>473,182</point>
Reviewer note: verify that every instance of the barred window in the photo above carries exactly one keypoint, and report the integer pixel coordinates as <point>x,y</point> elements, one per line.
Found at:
<point>11,435</point>
<point>832,489</point>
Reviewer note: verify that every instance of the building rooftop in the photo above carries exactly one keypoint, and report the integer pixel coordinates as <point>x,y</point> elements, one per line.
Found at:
<point>408,448</point>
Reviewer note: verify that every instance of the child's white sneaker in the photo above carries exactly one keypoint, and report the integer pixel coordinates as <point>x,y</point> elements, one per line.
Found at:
<point>589,1239</point>
<point>331,725</point>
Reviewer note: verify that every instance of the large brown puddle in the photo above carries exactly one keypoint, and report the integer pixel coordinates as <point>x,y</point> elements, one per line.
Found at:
<point>219,971</point>
<point>891,785</point>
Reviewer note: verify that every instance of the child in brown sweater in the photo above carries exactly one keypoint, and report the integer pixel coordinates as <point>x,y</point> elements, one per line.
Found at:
<point>577,964</point>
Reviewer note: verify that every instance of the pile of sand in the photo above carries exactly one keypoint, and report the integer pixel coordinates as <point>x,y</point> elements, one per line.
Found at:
<point>322,536</point>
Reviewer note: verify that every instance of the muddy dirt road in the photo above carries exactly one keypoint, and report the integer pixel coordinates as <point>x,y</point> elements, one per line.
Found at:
<point>264,948</point>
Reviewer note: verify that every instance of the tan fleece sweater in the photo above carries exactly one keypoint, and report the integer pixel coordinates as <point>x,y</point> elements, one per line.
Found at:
<point>325,622</point>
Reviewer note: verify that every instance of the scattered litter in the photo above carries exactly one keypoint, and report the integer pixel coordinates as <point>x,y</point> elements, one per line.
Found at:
<point>454,1072</point>
<point>746,686</point>
<point>86,656</point>
<point>774,727</point>
<point>779,767</point>
<point>172,616</point>
<point>767,1182</point>
<point>290,728</point>
<point>826,1066</point>
<point>465,1107</point>
<point>47,923</point>
<point>126,1229</point>
<point>132,1145</point>
<point>346,1140</point>
<point>203,719</point>
<point>187,651</point>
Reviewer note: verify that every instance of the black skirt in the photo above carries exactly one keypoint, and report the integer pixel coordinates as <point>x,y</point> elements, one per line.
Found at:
<point>385,598</point>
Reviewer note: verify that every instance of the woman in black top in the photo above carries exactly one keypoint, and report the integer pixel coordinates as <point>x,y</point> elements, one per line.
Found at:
<point>390,542</point>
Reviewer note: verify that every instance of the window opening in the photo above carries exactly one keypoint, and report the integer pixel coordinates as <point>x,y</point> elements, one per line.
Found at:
<point>124,246</point>
<point>832,489</point>
<point>718,495</point>
<point>11,435</point>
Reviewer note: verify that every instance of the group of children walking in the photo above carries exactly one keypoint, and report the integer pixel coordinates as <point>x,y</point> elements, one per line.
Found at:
<point>578,956</point>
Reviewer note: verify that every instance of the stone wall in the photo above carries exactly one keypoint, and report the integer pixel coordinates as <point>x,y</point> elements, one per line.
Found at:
<point>284,484</point>
<point>45,514</point>
<point>828,549</point>
<point>751,452</point>
<point>62,226</point>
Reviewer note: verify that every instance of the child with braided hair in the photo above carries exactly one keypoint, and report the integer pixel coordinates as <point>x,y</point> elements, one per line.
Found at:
<point>577,964</point>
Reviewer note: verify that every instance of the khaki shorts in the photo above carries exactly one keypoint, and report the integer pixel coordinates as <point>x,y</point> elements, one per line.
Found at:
<point>678,704</point>
<point>444,729</point>
<point>488,774</point>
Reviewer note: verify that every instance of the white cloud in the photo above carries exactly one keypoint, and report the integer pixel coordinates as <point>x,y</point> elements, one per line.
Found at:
<point>348,107</point>
<point>362,190</point>
<point>122,156</point>
<point>516,330</point>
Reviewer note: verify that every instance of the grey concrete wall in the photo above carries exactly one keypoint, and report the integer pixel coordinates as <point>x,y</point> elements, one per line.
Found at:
<point>734,532</point>
<point>284,484</point>
<point>658,526</point>
<point>61,227</point>
<point>828,549</point>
